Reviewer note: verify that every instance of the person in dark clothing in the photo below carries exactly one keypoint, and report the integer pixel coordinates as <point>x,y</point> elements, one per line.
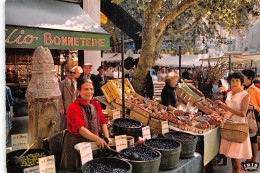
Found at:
<point>168,95</point>
<point>149,88</point>
<point>186,74</point>
<point>102,80</point>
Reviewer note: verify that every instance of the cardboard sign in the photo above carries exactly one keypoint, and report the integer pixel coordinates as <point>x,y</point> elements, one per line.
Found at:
<point>33,169</point>
<point>146,132</point>
<point>116,114</point>
<point>165,127</point>
<point>19,141</point>
<point>47,164</point>
<point>121,142</point>
<point>85,152</point>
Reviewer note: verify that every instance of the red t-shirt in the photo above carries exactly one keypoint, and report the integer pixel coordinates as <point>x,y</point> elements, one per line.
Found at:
<point>75,118</point>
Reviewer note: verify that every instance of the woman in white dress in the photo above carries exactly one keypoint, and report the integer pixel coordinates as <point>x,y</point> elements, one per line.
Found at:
<point>236,106</point>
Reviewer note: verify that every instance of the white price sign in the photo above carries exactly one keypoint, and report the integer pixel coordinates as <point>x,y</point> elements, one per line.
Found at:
<point>33,169</point>
<point>19,141</point>
<point>146,132</point>
<point>121,142</point>
<point>165,127</point>
<point>116,114</point>
<point>47,164</point>
<point>85,152</point>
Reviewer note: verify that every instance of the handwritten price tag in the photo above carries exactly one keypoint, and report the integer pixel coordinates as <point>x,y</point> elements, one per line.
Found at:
<point>85,152</point>
<point>146,132</point>
<point>121,142</point>
<point>19,141</point>
<point>116,114</point>
<point>33,169</point>
<point>47,164</point>
<point>165,127</point>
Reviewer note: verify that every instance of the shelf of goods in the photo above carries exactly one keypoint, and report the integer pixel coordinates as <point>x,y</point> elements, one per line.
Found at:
<point>158,87</point>
<point>151,113</point>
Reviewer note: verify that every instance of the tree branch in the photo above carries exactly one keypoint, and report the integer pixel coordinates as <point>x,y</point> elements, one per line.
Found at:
<point>171,16</point>
<point>189,27</point>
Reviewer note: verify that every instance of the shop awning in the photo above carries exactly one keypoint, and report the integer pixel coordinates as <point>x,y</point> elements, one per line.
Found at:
<point>51,23</point>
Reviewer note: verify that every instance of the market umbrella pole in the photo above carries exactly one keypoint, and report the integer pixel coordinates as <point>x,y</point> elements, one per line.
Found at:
<point>123,74</point>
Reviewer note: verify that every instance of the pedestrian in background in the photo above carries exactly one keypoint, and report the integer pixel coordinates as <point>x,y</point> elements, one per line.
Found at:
<point>254,92</point>
<point>68,95</point>
<point>9,110</point>
<point>78,71</point>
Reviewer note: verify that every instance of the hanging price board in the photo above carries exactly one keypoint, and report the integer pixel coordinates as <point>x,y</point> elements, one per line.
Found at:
<point>47,164</point>
<point>121,142</point>
<point>165,127</point>
<point>146,132</point>
<point>116,114</point>
<point>19,141</point>
<point>85,152</point>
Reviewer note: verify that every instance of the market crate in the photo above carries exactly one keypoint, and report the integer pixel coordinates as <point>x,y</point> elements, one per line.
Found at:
<point>127,83</point>
<point>137,116</point>
<point>107,93</point>
<point>203,108</point>
<point>117,106</point>
<point>156,130</point>
<point>185,96</point>
<point>155,124</point>
<point>142,111</point>
<point>120,102</point>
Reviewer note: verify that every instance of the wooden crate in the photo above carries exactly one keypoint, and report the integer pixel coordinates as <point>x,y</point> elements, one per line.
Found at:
<point>185,96</point>
<point>107,93</point>
<point>156,130</point>
<point>142,111</point>
<point>139,117</point>
<point>117,106</point>
<point>155,124</point>
<point>127,83</point>
<point>203,108</point>
<point>120,102</point>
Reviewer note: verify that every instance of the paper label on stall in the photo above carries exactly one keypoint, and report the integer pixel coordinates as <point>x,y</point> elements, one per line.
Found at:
<point>19,141</point>
<point>85,152</point>
<point>121,142</point>
<point>33,169</point>
<point>116,114</point>
<point>165,127</point>
<point>146,132</point>
<point>47,164</point>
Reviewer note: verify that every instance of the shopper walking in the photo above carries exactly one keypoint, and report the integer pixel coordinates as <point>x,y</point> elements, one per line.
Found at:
<point>254,92</point>
<point>236,106</point>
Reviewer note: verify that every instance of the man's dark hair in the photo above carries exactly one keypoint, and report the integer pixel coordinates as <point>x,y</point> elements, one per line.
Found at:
<point>250,74</point>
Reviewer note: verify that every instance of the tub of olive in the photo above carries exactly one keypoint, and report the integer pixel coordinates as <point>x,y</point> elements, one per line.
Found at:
<point>107,165</point>
<point>30,159</point>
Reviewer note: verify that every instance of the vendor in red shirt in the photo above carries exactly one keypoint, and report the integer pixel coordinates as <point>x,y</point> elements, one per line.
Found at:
<point>84,120</point>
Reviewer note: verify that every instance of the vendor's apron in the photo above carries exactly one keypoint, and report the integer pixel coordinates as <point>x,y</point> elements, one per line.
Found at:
<point>70,160</point>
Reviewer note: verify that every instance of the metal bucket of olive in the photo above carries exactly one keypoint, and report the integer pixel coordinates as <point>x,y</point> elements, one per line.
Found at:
<point>30,159</point>
<point>148,159</point>
<point>169,149</point>
<point>127,126</point>
<point>188,141</point>
<point>107,165</point>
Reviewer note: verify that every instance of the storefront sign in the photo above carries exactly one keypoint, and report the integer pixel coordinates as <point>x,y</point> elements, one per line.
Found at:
<point>19,141</point>
<point>26,37</point>
<point>165,127</point>
<point>121,142</point>
<point>116,114</point>
<point>47,164</point>
<point>146,132</point>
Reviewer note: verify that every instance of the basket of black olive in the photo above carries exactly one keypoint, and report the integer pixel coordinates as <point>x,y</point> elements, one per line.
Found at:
<point>148,159</point>
<point>169,149</point>
<point>127,126</point>
<point>188,141</point>
<point>107,165</point>
<point>30,159</point>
